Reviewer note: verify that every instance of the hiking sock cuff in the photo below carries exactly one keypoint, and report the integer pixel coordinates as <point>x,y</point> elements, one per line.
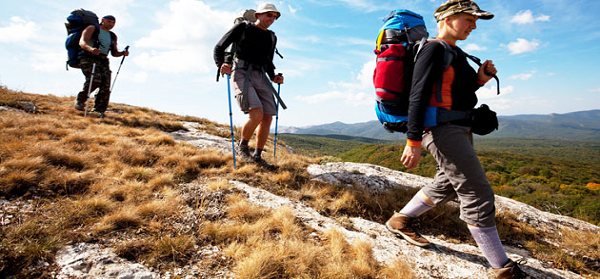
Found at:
<point>415,207</point>
<point>489,242</point>
<point>244,143</point>
<point>257,152</point>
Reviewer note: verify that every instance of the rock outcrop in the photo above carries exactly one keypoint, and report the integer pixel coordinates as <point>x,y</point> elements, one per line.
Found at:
<point>443,259</point>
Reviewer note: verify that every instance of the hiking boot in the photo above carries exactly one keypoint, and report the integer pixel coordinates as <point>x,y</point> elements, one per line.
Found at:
<point>511,271</point>
<point>400,225</point>
<point>96,114</point>
<point>244,153</point>
<point>261,162</point>
<point>79,105</point>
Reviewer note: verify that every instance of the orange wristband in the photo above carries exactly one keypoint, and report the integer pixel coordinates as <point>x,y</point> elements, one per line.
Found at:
<point>413,143</point>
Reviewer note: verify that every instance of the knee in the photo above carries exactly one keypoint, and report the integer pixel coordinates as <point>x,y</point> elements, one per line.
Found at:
<point>267,118</point>
<point>483,213</point>
<point>256,115</point>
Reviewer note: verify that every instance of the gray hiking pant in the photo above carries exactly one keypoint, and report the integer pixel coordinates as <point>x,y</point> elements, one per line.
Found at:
<point>460,174</point>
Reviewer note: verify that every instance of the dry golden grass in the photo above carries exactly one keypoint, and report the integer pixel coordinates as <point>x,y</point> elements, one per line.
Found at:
<point>111,171</point>
<point>398,269</point>
<point>177,249</point>
<point>121,219</point>
<point>218,184</point>
<point>276,245</point>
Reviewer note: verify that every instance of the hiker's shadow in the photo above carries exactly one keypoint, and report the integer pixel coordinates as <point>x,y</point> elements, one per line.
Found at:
<point>532,271</point>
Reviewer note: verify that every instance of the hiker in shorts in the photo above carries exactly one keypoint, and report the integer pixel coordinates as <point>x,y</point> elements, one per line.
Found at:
<point>253,62</point>
<point>95,45</point>
<point>459,172</point>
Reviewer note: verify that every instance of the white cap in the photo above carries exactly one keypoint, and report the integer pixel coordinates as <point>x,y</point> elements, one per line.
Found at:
<point>266,7</point>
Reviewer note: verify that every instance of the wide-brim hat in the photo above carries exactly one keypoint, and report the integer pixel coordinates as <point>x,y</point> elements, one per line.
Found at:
<point>453,7</point>
<point>265,8</point>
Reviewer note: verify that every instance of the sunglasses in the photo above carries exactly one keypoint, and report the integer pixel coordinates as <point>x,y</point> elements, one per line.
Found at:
<point>271,15</point>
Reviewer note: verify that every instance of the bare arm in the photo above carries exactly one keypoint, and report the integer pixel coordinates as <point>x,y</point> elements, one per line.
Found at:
<point>86,36</point>
<point>115,51</point>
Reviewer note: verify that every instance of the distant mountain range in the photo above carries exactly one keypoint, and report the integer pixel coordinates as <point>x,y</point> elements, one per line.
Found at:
<point>581,125</point>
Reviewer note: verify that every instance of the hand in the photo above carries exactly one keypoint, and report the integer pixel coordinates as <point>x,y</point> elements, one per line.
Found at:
<point>411,156</point>
<point>95,51</point>
<point>487,71</point>
<point>278,79</point>
<point>125,53</point>
<point>226,69</point>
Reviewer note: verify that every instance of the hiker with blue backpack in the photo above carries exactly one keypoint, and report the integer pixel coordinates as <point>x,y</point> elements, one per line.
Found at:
<point>253,71</point>
<point>450,90</point>
<point>96,42</point>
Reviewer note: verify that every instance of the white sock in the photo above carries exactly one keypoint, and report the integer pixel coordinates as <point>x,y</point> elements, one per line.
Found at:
<point>415,207</point>
<point>489,242</point>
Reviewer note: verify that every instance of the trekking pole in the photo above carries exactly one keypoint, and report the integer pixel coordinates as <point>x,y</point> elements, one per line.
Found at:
<point>276,121</point>
<point>113,84</point>
<point>89,90</point>
<point>231,121</point>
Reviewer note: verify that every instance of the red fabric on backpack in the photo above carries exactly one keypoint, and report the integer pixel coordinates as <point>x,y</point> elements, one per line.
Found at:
<point>388,76</point>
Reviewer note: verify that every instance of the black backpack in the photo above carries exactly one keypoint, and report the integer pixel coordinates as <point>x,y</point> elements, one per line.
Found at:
<point>77,21</point>
<point>248,17</point>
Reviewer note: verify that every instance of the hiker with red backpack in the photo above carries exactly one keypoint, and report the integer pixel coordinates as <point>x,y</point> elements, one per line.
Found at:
<point>253,71</point>
<point>96,42</point>
<point>460,174</point>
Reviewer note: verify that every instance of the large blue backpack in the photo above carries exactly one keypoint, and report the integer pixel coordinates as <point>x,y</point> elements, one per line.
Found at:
<point>400,38</point>
<point>77,21</point>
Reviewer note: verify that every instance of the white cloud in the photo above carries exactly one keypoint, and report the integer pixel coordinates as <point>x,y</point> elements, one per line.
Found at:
<point>522,46</point>
<point>18,31</point>
<point>140,77</point>
<point>526,17</point>
<point>594,90</point>
<point>353,41</point>
<point>355,99</point>
<point>185,41</point>
<point>117,8</point>
<point>542,18</point>
<point>524,76</point>
<point>491,92</point>
<point>474,47</point>
<point>365,5</point>
<point>292,10</point>
<point>349,93</point>
<point>48,61</point>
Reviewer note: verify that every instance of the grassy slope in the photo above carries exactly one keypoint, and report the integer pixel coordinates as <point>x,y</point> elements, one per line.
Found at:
<point>120,181</point>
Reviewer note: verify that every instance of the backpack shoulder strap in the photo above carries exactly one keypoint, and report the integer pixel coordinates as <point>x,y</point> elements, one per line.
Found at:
<point>113,39</point>
<point>274,40</point>
<point>449,54</point>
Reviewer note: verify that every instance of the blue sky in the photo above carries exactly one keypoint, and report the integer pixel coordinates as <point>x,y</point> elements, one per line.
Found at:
<point>547,53</point>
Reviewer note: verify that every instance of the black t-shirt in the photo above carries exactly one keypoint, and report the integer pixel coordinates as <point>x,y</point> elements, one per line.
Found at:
<point>252,44</point>
<point>427,71</point>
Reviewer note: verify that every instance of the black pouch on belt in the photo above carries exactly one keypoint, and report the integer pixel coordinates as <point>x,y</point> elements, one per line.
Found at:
<point>485,120</point>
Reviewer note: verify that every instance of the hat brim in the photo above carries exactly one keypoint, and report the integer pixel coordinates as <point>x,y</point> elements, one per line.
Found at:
<point>481,14</point>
